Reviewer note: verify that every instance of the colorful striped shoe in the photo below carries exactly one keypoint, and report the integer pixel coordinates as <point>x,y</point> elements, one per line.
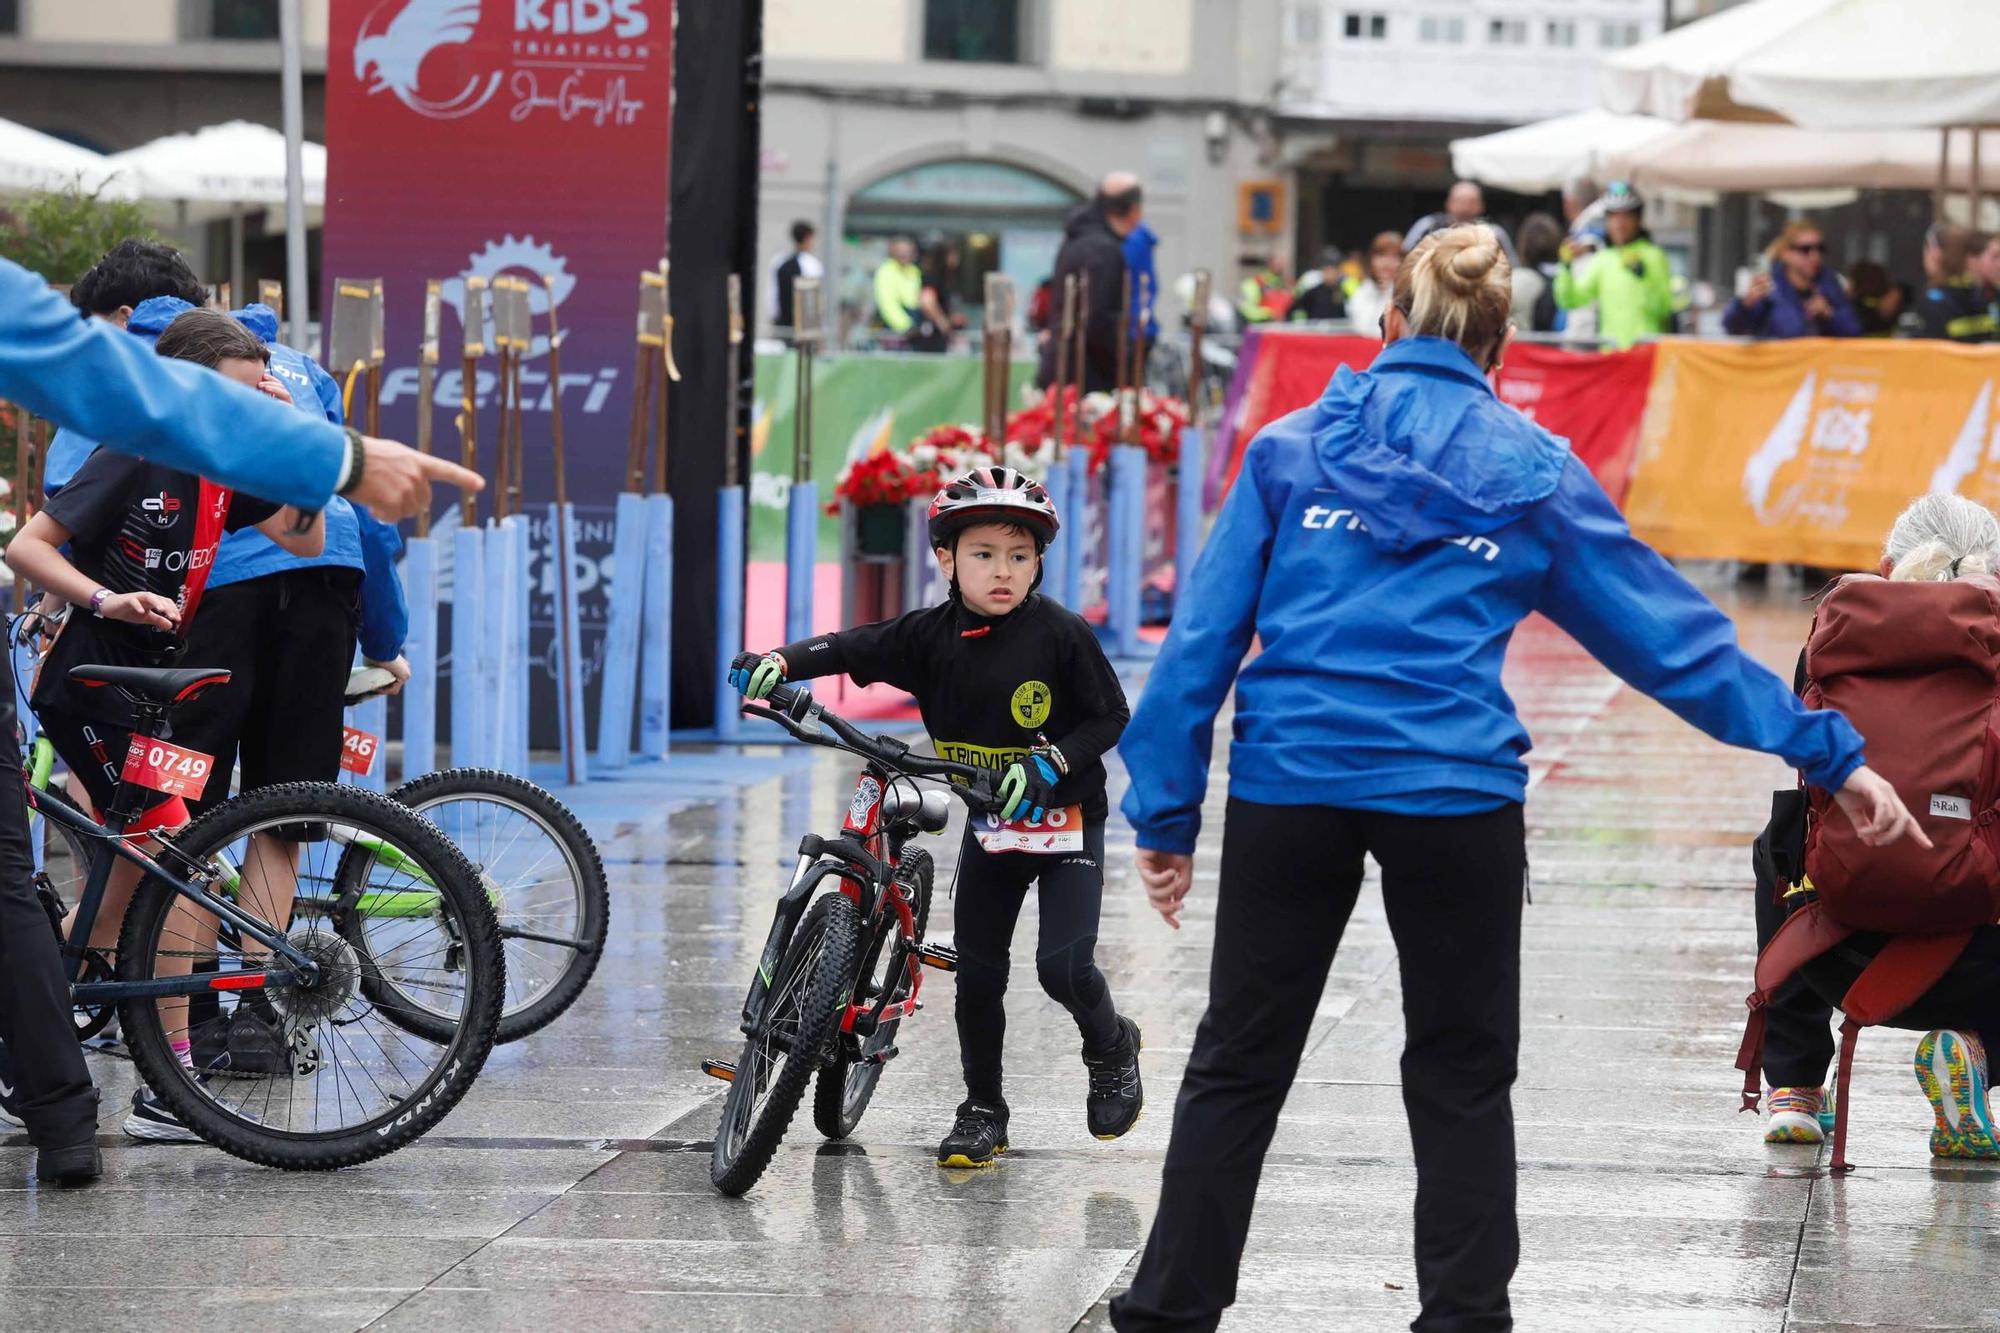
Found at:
<point>1796,1115</point>
<point>1951,1069</point>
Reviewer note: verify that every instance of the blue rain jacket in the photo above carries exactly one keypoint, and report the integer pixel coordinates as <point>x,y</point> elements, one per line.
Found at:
<point>1382,544</point>
<point>83,374</point>
<point>355,539</point>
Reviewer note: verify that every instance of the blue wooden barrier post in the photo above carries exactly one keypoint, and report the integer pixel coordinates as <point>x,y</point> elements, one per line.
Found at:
<point>468,638</point>
<point>1056,482</point>
<point>569,642</point>
<point>495,701</point>
<point>1076,552</point>
<point>802,517</point>
<point>1126,506</point>
<point>1190,477</point>
<point>656,631</point>
<point>729,533</point>
<point>519,665</point>
<point>621,635</point>
<point>420,649</point>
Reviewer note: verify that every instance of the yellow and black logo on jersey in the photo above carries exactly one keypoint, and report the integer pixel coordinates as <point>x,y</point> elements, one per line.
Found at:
<point>979,756</point>
<point>1031,704</point>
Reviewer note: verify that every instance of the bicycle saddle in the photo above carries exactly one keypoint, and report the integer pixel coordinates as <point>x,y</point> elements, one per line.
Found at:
<point>165,686</point>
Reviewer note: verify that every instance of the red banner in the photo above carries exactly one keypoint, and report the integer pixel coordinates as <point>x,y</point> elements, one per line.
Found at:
<point>526,137</point>
<point>1593,399</point>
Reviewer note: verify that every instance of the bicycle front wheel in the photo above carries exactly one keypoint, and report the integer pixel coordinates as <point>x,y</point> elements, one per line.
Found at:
<point>546,882</point>
<point>808,994</point>
<point>313,1076</point>
<point>847,1083</point>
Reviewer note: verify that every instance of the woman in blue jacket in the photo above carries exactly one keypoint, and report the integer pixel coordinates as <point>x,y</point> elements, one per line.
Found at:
<point>1797,296</point>
<point>1381,545</point>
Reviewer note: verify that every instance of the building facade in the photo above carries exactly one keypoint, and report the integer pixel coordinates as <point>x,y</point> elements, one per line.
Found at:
<point>981,123</point>
<point>1374,91</point>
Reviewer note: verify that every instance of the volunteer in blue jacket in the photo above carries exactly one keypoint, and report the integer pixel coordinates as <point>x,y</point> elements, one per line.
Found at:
<point>90,377</point>
<point>1381,545</point>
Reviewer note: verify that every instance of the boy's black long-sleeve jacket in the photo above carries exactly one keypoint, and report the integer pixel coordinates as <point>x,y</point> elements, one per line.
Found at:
<point>991,689</point>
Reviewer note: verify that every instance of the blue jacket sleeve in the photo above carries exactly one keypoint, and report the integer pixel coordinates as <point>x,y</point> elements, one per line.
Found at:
<point>1741,319</point>
<point>89,377</point>
<point>1622,601</point>
<point>328,389</point>
<point>1166,746</point>
<point>1846,322</point>
<point>385,613</point>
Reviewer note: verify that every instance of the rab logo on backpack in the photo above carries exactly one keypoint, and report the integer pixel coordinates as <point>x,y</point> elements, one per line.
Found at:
<point>1951,807</point>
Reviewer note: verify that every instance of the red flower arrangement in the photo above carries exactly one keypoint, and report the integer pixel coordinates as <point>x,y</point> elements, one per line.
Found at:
<point>895,475</point>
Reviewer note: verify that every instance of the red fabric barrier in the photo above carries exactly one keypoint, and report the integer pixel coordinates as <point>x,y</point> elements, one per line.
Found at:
<point>1593,399</point>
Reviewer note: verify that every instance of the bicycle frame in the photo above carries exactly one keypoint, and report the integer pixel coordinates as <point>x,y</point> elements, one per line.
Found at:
<point>288,966</point>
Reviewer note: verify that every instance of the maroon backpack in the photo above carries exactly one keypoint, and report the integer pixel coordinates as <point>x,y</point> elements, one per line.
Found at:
<point>1916,668</point>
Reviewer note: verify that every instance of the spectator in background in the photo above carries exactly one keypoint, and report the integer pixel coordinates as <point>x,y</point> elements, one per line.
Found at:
<point>1797,296</point>
<point>1534,277</point>
<point>1140,243</point>
<point>1629,282</point>
<point>1093,248</point>
<point>1321,295</point>
<point>1583,205</point>
<point>786,270</point>
<point>1951,306</point>
<point>1264,294</point>
<point>1878,300</point>
<point>1371,297</point>
<point>1464,202</point>
<point>899,289</point>
<point>1986,269</point>
<point>937,304</point>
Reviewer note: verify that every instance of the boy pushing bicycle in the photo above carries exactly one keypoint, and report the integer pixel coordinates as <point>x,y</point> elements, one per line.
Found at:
<point>997,672</point>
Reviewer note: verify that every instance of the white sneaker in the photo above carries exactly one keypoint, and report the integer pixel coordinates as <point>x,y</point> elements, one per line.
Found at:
<point>7,1091</point>
<point>1795,1116</point>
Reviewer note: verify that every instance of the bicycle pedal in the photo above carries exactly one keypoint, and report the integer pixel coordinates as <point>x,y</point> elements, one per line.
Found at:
<point>722,1069</point>
<point>940,956</point>
<point>881,1057</point>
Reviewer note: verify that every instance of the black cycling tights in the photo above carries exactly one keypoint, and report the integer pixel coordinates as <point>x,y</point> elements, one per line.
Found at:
<point>991,888</point>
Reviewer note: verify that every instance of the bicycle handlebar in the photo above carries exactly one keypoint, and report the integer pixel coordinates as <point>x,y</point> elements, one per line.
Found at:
<point>794,708</point>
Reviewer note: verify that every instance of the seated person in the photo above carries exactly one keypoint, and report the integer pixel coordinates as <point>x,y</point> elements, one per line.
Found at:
<point>1939,537</point>
<point>141,540</point>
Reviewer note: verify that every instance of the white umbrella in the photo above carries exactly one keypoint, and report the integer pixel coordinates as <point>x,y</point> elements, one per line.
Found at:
<point>1881,64</point>
<point>31,161</point>
<point>217,172</point>
<point>1549,154</point>
<point>1684,74</point>
<point>1756,159</point>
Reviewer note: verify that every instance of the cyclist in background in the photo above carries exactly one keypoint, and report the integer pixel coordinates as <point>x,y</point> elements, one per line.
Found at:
<point>1383,545</point>
<point>1629,281</point>
<point>142,540</point>
<point>996,671</point>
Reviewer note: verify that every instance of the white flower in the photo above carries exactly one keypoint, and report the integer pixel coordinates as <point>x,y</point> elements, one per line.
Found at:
<point>924,454</point>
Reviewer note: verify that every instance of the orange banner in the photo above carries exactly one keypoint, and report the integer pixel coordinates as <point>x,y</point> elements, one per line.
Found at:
<point>1806,451</point>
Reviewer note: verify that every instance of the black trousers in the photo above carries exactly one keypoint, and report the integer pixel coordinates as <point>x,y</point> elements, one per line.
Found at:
<point>1798,1038</point>
<point>55,1093</point>
<point>1290,876</point>
<point>991,889</point>
<point>287,640</point>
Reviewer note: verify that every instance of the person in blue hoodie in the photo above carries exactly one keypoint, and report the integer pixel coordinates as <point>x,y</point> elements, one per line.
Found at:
<point>1381,545</point>
<point>1140,243</point>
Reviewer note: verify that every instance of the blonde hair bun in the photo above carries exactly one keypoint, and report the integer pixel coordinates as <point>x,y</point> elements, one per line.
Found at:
<point>1457,284</point>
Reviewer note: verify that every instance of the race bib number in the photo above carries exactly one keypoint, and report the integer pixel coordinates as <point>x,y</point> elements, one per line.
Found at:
<point>173,769</point>
<point>357,751</point>
<point>1057,833</point>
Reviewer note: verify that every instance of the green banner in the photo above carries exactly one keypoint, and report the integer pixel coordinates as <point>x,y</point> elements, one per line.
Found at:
<point>860,401</point>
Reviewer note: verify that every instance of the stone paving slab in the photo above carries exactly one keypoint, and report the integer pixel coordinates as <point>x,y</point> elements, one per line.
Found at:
<point>570,1190</point>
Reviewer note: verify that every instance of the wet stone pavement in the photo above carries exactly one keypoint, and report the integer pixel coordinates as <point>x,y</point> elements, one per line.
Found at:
<point>571,1188</point>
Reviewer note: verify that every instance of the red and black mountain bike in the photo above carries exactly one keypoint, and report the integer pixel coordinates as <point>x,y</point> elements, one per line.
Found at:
<point>845,958</point>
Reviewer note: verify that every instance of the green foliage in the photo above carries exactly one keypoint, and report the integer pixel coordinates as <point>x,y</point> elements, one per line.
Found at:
<point>60,235</point>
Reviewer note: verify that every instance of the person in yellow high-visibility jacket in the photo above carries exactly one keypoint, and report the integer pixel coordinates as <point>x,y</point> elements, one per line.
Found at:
<point>1629,281</point>
<point>899,287</point>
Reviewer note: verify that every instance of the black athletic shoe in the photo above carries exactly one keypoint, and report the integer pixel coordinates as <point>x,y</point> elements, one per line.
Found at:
<point>977,1136</point>
<point>78,1164</point>
<point>10,1111</point>
<point>250,1043</point>
<point>1116,1096</point>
